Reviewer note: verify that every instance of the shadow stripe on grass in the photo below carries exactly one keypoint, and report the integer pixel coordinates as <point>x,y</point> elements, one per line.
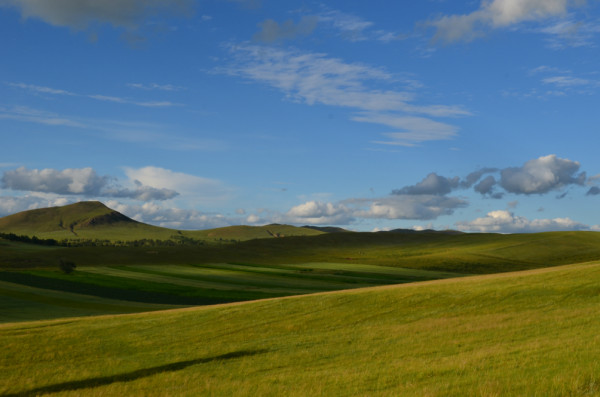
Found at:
<point>105,292</point>
<point>129,376</point>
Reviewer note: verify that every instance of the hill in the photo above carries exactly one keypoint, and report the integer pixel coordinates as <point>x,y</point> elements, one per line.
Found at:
<point>92,220</point>
<point>529,333</point>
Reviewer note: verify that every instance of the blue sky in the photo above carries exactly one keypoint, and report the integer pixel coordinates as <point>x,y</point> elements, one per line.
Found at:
<point>476,116</point>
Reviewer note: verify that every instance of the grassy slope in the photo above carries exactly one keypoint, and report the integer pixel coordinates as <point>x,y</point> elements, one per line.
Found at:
<point>23,303</point>
<point>93,220</point>
<point>463,253</point>
<point>38,294</point>
<point>535,333</point>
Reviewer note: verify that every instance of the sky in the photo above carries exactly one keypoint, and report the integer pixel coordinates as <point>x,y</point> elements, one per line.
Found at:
<point>479,116</point>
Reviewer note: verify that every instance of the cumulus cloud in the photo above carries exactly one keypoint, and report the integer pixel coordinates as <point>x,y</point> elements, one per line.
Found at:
<point>271,31</point>
<point>537,176</point>
<point>420,207</point>
<point>80,14</point>
<point>79,181</point>
<point>542,175</point>
<point>13,204</point>
<point>318,213</point>
<point>502,221</point>
<point>82,181</point>
<point>172,217</point>
<point>486,187</point>
<point>416,207</point>
<point>199,189</point>
<point>475,176</point>
<point>433,184</point>
<point>497,14</point>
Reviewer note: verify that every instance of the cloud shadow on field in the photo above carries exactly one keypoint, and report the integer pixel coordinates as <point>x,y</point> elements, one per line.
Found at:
<point>130,376</point>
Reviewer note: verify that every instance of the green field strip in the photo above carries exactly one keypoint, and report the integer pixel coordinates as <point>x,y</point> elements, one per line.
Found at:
<point>24,303</point>
<point>250,277</point>
<point>128,289</point>
<point>532,333</point>
<point>336,274</point>
<point>387,271</point>
<point>157,277</point>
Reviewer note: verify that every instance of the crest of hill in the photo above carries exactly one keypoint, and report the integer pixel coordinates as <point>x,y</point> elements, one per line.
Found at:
<point>274,230</point>
<point>94,220</point>
<point>81,215</point>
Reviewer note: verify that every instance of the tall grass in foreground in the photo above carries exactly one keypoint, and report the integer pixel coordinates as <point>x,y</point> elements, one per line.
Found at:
<point>535,333</point>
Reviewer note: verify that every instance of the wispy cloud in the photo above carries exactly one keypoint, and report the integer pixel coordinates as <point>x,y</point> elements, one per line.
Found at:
<point>271,31</point>
<point>106,98</point>
<point>570,32</point>
<point>123,131</point>
<point>315,78</point>
<point>27,114</point>
<point>154,86</point>
<point>151,104</point>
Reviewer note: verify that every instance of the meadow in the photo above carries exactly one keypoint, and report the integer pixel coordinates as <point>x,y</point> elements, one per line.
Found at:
<point>49,293</point>
<point>533,333</point>
<point>281,310</point>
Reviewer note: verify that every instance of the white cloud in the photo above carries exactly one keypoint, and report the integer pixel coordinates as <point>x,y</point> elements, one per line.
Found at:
<point>414,129</point>
<point>569,81</point>
<point>319,213</point>
<point>80,182</point>
<point>192,187</point>
<point>105,98</point>
<point>27,114</point>
<point>148,104</point>
<point>80,14</point>
<point>130,132</point>
<point>420,207</point>
<point>502,221</point>
<point>41,89</point>
<point>154,86</point>
<point>13,204</point>
<point>497,14</point>
<point>314,78</point>
<point>541,175</point>
<point>172,217</point>
<point>351,27</point>
<point>271,31</point>
<point>432,184</point>
<point>569,32</point>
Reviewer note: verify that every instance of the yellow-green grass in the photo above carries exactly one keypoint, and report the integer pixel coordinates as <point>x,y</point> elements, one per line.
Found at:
<point>462,253</point>
<point>22,303</point>
<point>535,333</point>
<point>185,285</point>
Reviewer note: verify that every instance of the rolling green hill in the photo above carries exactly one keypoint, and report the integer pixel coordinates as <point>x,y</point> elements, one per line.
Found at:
<point>92,220</point>
<point>533,333</point>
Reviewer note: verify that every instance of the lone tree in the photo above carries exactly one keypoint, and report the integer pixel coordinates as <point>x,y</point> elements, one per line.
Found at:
<point>66,266</point>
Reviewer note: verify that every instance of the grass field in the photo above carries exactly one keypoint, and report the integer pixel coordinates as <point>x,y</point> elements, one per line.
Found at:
<point>535,333</point>
<point>43,293</point>
<point>461,253</point>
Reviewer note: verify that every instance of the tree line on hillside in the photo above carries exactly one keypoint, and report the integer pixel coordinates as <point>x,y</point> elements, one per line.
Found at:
<point>175,240</point>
